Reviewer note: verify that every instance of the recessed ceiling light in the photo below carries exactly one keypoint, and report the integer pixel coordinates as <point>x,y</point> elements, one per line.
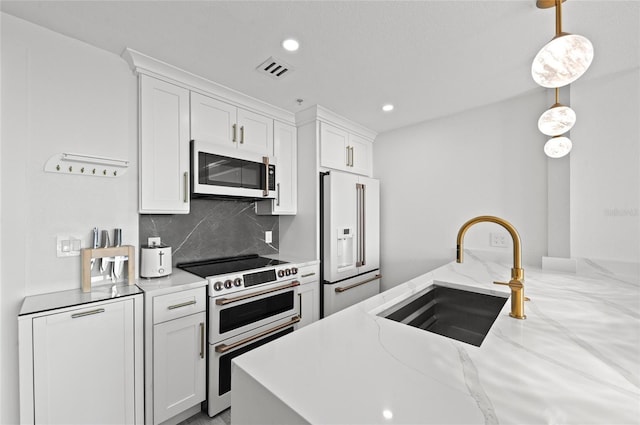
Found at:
<point>388,107</point>
<point>290,44</point>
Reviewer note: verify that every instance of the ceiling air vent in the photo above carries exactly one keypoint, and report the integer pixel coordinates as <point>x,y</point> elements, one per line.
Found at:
<point>274,68</point>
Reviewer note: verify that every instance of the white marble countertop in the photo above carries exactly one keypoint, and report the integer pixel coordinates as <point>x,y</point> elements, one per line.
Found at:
<point>575,359</point>
<point>178,280</point>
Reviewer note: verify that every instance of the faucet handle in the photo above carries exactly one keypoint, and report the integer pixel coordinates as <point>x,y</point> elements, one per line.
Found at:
<point>512,286</point>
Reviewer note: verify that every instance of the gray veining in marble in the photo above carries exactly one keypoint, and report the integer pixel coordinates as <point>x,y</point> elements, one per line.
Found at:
<point>472,380</point>
<point>214,228</point>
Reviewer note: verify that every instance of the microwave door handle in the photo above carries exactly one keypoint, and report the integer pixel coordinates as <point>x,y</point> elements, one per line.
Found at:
<point>265,189</point>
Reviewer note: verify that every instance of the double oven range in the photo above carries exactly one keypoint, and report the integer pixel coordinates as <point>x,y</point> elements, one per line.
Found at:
<point>252,300</point>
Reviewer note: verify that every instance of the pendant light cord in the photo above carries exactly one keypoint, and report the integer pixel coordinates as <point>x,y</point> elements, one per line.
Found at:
<point>558,17</point>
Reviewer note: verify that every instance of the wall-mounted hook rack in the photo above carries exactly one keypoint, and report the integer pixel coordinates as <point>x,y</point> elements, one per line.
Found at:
<point>86,165</point>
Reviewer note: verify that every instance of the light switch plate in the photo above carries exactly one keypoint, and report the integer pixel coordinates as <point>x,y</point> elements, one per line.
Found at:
<point>68,246</point>
<point>268,236</point>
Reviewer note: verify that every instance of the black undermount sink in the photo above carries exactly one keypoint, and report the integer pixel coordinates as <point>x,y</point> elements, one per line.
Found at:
<point>462,315</point>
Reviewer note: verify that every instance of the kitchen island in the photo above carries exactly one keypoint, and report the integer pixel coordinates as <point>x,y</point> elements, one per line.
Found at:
<point>574,359</point>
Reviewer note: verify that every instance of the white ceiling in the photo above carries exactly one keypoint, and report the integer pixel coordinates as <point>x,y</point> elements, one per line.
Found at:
<point>429,58</point>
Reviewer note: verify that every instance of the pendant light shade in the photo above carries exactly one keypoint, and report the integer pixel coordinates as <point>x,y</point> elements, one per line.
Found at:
<point>557,147</point>
<point>562,61</point>
<point>557,120</point>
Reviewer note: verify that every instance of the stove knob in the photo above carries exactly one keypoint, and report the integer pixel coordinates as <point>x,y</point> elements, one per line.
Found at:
<point>280,273</point>
<point>287,272</point>
<point>237,281</point>
<point>217,286</point>
<point>294,270</point>
<point>228,284</point>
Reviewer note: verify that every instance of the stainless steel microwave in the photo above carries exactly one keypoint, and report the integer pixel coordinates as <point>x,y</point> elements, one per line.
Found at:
<point>219,171</point>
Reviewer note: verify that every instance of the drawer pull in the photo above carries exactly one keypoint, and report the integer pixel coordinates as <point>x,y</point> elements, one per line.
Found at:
<point>307,275</point>
<point>185,304</point>
<point>87,313</point>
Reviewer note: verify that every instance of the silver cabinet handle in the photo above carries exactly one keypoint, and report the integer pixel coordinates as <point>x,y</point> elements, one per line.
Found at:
<point>87,313</point>
<point>242,134</point>
<point>235,130</point>
<point>223,348</point>
<point>186,187</point>
<point>351,161</point>
<point>300,305</point>
<point>278,194</point>
<point>346,288</point>
<point>307,275</point>
<point>348,155</point>
<point>185,304</point>
<point>225,301</point>
<point>201,340</point>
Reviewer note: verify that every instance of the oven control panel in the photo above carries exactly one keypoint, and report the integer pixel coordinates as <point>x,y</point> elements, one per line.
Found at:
<point>236,282</point>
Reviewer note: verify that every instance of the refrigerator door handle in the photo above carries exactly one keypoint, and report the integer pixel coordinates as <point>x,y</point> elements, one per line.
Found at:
<point>361,189</point>
<point>355,285</point>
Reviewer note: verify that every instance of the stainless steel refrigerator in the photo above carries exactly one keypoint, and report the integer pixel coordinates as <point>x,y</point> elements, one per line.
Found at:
<point>350,234</point>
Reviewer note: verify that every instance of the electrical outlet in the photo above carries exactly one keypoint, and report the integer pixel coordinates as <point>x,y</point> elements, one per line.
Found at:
<point>498,239</point>
<point>268,236</point>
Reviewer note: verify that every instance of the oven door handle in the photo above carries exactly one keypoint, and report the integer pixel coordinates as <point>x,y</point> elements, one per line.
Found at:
<point>225,301</point>
<point>223,348</point>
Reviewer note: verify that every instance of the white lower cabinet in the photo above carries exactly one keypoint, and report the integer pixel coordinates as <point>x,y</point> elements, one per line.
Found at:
<point>309,303</point>
<point>309,293</point>
<point>78,365</point>
<point>176,351</point>
<point>179,365</point>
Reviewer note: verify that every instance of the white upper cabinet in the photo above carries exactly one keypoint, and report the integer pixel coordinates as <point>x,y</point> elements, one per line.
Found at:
<point>255,133</point>
<point>164,147</point>
<point>226,125</point>
<point>334,146</point>
<point>286,152</point>
<point>342,150</point>
<point>213,121</point>
<point>360,161</point>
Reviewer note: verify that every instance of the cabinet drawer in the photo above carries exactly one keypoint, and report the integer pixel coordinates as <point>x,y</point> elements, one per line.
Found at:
<point>307,274</point>
<point>179,304</point>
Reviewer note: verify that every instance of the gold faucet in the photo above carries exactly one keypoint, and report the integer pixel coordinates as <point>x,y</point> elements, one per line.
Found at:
<point>516,284</point>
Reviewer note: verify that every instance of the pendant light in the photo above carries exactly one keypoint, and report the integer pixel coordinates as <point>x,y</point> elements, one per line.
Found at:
<point>557,147</point>
<point>565,58</point>
<point>556,120</point>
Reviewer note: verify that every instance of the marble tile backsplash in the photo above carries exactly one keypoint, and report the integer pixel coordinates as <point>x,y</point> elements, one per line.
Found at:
<point>214,228</point>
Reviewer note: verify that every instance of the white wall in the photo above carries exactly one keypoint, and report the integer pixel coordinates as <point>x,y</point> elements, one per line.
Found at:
<point>58,95</point>
<point>605,168</point>
<point>438,174</point>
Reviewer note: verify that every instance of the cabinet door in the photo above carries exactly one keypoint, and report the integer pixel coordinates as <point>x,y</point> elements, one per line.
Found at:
<point>179,365</point>
<point>333,147</point>
<point>360,155</point>
<point>213,121</point>
<point>286,151</point>
<point>255,133</point>
<point>164,147</point>
<point>309,303</point>
<point>83,363</point>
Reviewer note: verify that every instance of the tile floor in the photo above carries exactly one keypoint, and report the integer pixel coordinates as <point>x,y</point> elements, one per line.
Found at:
<point>223,418</point>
